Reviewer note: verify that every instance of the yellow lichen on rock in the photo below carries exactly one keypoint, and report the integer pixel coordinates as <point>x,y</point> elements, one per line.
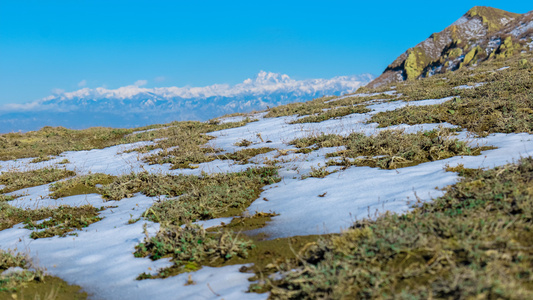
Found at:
<point>507,48</point>
<point>453,32</point>
<point>471,56</point>
<point>455,52</point>
<point>415,63</point>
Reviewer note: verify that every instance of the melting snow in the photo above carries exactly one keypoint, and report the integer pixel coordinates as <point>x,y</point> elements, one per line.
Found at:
<point>522,28</point>
<point>100,258</point>
<point>461,87</point>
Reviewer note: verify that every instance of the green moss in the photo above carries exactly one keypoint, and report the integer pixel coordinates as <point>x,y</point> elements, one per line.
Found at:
<point>46,287</point>
<point>80,185</point>
<point>31,283</point>
<point>10,283</point>
<point>247,223</point>
<point>53,141</point>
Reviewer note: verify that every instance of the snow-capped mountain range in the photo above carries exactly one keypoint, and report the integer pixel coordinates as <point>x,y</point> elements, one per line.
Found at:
<point>135,105</point>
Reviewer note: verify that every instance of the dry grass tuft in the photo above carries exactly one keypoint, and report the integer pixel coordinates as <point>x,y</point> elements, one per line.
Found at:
<point>242,156</point>
<point>63,220</point>
<point>325,108</point>
<point>190,247</point>
<point>55,140</point>
<point>390,149</point>
<point>60,220</point>
<point>336,112</point>
<point>474,242</point>
<point>212,196</point>
<point>16,180</point>
<point>181,144</point>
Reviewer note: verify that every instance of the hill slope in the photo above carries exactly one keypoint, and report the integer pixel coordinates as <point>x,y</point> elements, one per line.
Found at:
<point>483,32</point>
<point>184,209</point>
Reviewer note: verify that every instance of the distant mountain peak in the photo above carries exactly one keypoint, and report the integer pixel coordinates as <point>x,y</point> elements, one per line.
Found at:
<point>134,105</point>
<point>491,17</point>
<point>482,33</point>
<point>269,77</point>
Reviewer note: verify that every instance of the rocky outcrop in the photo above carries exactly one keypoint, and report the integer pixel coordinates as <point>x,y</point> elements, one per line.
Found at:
<point>482,33</point>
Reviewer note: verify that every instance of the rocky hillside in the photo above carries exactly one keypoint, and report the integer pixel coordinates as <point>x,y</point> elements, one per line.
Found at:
<point>482,33</point>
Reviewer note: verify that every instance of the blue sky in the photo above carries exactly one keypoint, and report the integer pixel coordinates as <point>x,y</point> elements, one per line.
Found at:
<point>64,45</point>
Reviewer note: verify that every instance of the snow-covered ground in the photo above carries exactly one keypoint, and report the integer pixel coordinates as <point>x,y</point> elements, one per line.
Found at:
<point>100,258</point>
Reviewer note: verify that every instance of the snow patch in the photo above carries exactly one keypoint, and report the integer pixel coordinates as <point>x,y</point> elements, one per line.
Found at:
<point>464,86</point>
<point>522,28</point>
<point>100,258</point>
